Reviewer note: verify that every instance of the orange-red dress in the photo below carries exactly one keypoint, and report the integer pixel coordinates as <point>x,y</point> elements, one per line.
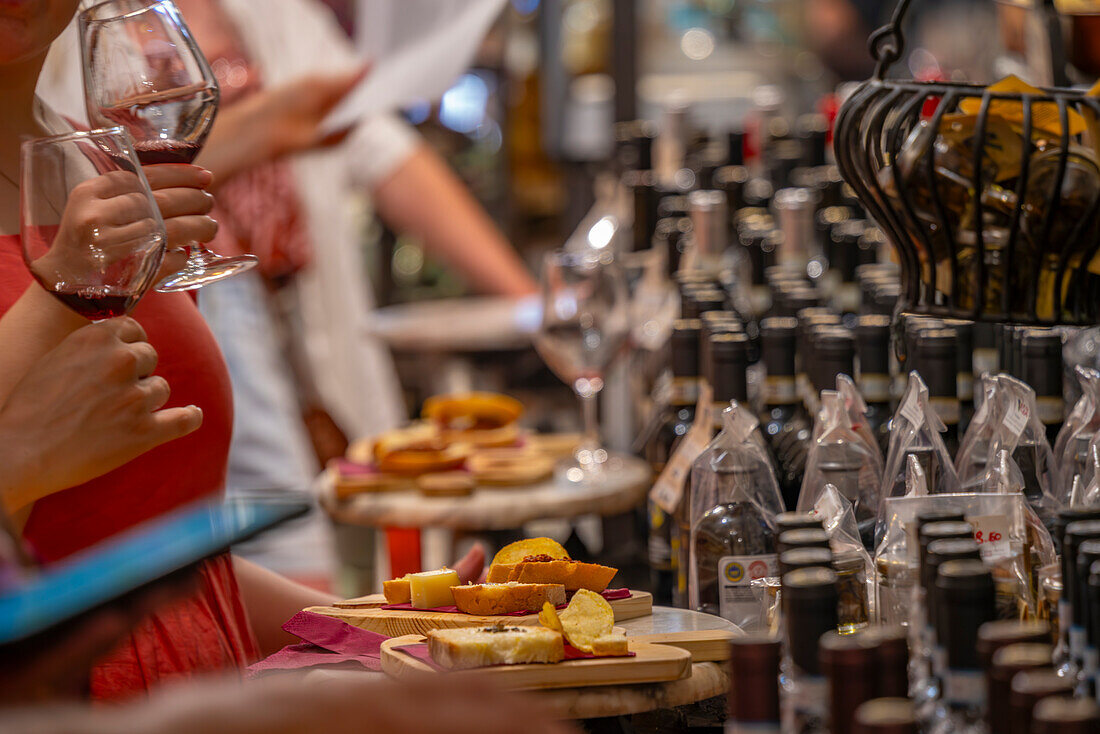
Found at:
<point>208,631</point>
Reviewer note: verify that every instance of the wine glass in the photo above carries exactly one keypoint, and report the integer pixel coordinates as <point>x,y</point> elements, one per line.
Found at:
<point>586,321</point>
<point>91,230</point>
<point>144,71</point>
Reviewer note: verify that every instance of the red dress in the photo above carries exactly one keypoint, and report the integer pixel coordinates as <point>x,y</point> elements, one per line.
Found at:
<point>208,631</point>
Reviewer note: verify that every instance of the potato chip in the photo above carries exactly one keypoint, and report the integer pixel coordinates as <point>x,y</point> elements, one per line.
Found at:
<point>548,617</point>
<point>587,618</point>
<point>516,552</point>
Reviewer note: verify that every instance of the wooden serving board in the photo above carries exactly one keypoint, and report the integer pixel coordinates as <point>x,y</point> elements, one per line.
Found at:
<point>705,646</point>
<point>397,622</point>
<point>650,664</point>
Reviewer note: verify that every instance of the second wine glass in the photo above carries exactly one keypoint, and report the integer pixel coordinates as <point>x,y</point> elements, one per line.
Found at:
<point>585,325</point>
<point>144,71</point>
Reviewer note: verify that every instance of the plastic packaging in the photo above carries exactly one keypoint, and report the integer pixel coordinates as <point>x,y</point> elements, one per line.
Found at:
<point>1071,453</point>
<point>857,413</point>
<point>895,557</point>
<point>916,432</point>
<point>970,462</point>
<point>840,457</point>
<point>734,501</point>
<point>851,561</point>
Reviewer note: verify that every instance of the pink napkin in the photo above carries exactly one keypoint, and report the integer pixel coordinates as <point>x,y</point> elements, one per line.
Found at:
<point>420,652</point>
<point>325,641</point>
<point>609,594</point>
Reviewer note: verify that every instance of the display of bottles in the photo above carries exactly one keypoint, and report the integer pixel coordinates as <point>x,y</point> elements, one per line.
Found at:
<point>673,426</point>
<point>1004,665</point>
<point>850,664</point>
<point>1028,689</point>
<point>964,601</point>
<point>873,350</point>
<point>1076,534</point>
<point>1042,370</point>
<point>754,685</point>
<point>1057,715</point>
<point>809,611</point>
<point>784,421</point>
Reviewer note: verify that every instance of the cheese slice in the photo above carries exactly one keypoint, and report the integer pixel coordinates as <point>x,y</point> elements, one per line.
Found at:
<point>432,589</point>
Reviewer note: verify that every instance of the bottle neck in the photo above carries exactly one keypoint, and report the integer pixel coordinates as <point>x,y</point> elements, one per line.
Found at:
<point>875,388</point>
<point>780,390</point>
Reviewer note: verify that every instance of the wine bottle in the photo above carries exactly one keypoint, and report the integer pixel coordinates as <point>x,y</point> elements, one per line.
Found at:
<point>892,651</point>
<point>1042,367</point>
<point>833,353</point>
<point>1088,553</point>
<point>1057,715</point>
<point>810,610</point>
<point>1028,689</point>
<point>674,424</point>
<point>934,355</point>
<point>964,601</point>
<point>754,684</point>
<point>1093,640</point>
<point>850,665</point>
<point>1064,616</point>
<point>795,558</point>
<point>1003,667</point>
<point>886,716</point>
<point>784,422</point>
<point>964,369</point>
<point>873,348</point>
<point>1075,535</point>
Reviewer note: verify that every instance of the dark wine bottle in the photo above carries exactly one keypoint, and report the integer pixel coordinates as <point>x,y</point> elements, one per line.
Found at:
<point>809,597</point>
<point>754,684</point>
<point>1042,367</point>
<point>674,425</point>
<point>834,351</point>
<point>886,716</point>
<point>965,601</point>
<point>873,349</point>
<point>795,558</point>
<point>784,422</point>
<point>850,665</point>
<point>1028,689</point>
<point>1059,715</point>
<point>1076,534</point>
<point>892,651</point>
<point>1003,667</point>
<point>1088,553</point>
<point>964,369</point>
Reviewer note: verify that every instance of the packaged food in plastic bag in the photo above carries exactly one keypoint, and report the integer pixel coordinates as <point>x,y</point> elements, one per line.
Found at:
<point>734,500</point>
<point>857,413</point>
<point>895,559</point>
<point>916,432</point>
<point>851,561</point>
<point>1023,436</point>
<point>1071,448</point>
<point>970,462</point>
<point>841,457</point>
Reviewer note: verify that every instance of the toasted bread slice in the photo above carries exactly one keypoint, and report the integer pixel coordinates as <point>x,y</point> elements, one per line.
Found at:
<point>475,647</point>
<point>571,574</point>
<point>490,599</point>
<point>610,644</point>
<point>398,591</point>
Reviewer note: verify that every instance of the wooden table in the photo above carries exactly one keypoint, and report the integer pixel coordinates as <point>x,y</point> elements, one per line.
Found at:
<point>494,508</point>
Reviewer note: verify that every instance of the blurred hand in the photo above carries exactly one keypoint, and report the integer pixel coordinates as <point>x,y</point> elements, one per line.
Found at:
<point>471,565</point>
<point>88,406</point>
<point>289,116</point>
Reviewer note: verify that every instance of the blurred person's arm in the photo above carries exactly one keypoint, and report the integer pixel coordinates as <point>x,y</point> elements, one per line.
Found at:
<point>287,704</point>
<point>423,197</point>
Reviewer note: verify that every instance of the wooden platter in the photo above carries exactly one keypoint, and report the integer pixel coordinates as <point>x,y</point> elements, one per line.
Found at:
<point>650,664</point>
<point>398,622</point>
<point>705,646</point>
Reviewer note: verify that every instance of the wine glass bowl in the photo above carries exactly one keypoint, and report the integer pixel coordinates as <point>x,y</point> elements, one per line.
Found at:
<point>144,71</point>
<point>92,234</point>
<point>586,322</point>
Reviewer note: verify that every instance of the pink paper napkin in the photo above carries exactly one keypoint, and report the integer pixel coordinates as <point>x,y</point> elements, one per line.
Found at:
<point>420,652</point>
<point>609,594</point>
<point>325,641</point>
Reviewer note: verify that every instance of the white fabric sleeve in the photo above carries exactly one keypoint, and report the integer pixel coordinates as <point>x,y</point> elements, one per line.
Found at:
<point>379,146</point>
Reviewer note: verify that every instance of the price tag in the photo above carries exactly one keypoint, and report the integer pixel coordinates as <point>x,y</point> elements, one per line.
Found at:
<point>1017,417</point>
<point>669,487</point>
<point>990,528</point>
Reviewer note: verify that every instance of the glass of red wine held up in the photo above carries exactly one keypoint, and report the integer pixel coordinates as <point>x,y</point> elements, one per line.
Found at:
<point>144,71</point>
<point>91,230</point>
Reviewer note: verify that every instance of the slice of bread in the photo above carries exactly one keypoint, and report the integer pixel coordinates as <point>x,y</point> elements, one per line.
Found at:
<point>572,575</point>
<point>505,598</point>
<point>476,647</point>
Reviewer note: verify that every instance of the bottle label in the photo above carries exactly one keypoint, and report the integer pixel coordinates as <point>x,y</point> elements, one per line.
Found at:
<point>669,487</point>
<point>735,576</point>
<point>1050,410</point>
<point>683,391</point>
<point>780,391</point>
<point>964,687</point>
<point>875,388</point>
<point>947,409</point>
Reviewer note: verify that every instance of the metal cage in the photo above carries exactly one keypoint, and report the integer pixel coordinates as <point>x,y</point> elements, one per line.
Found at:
<point>994,218</point>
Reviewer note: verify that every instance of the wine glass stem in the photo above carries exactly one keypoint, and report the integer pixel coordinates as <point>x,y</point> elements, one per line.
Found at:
<point>588,390</point>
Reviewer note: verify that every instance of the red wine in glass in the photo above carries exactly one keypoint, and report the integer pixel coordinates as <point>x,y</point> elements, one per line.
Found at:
<point>150,152</point>
<point>96,303</point>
